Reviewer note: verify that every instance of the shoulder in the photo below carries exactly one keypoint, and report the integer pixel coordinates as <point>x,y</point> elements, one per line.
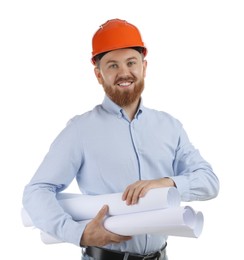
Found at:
<point>162,117</point>
<point>84,117</point>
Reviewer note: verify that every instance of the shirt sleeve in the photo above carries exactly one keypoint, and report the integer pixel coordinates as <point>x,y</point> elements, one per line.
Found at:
<point>193,175</point>
<point>55,173</point>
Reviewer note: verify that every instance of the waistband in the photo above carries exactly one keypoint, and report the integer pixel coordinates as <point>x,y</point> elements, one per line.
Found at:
<point>99,253</point>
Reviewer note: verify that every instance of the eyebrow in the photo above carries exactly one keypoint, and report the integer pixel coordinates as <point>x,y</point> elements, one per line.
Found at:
<point>128,59</point>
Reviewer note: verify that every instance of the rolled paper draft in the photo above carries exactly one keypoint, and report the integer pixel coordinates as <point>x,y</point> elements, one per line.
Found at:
<point>157,212</point>
<point>87,206</point>
<point>181,221</point>
<point>26,220</point>
<point>82,207</point>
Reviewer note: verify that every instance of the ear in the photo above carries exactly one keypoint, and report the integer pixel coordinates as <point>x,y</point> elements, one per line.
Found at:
<point>144,68</point>
<point>98,75</point>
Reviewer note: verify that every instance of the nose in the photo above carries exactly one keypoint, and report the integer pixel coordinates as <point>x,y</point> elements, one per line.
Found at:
<point>123,71</point>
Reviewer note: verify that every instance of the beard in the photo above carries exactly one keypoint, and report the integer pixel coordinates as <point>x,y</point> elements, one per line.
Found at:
<point>124,97</point>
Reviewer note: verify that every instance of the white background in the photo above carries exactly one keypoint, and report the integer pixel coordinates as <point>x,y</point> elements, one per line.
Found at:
<point>195,72</point>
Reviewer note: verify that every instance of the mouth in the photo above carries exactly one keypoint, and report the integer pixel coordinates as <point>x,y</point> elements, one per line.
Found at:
<point>125,84</point>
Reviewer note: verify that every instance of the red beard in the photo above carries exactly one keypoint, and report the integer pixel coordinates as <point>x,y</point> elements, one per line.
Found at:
<point>124,97</point>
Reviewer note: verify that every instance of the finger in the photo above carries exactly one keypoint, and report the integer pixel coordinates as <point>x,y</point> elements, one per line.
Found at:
<point>101,213</point>
<point>125,194</point>
<point>140,191</point>
<point>136,195</point>
<point>133,196</point>
<point>143,191</point>
<point>129,196</point>
<point>133,192</point>
<point>128,192</point>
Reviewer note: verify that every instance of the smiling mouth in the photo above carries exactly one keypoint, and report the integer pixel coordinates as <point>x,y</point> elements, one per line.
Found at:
<point>125,84</point>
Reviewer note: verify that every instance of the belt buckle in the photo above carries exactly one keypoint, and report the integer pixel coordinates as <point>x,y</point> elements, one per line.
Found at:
<point>156,255</point>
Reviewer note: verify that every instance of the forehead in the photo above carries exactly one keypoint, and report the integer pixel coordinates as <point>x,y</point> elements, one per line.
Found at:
<point>121,55</point>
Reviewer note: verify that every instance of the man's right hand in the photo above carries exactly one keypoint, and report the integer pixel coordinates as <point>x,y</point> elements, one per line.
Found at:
<point>96,235</point>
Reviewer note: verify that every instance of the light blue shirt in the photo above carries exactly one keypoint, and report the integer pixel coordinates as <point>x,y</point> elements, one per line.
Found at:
<point>106,152</point>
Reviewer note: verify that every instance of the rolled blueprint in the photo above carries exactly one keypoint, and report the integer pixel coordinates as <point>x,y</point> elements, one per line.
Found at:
<point>87,206</point>
<point>83,207</point>
<point>26,220</point>
<point>180,221</point>
<point>159,211</point>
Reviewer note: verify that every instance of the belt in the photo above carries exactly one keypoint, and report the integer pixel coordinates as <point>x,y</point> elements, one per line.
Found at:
<point>99,253</point>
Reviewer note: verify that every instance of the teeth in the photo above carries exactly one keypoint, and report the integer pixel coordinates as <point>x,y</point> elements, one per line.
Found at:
<point>125,84</point>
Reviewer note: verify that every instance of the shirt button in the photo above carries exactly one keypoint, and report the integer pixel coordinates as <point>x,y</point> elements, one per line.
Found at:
<point>119,116</point>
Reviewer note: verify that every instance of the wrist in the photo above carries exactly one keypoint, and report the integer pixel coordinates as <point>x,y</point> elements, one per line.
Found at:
<point>169,182</point>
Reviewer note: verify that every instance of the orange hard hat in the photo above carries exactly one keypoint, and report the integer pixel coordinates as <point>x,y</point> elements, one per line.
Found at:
<point>116,34</point>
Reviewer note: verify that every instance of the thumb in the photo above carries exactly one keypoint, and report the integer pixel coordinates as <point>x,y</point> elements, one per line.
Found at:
<point>102,213</point>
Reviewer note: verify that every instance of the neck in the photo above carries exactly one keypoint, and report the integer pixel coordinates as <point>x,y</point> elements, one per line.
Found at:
<point>132,109</point>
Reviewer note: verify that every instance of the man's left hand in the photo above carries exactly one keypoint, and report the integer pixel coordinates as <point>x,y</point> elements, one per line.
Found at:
<point>138,189</point>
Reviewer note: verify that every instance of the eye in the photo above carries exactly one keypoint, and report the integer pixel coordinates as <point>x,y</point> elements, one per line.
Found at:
<point>130,63</point>
<point>113,66</point>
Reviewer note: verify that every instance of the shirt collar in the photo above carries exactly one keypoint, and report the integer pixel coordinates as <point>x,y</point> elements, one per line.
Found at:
<point>113,108</point>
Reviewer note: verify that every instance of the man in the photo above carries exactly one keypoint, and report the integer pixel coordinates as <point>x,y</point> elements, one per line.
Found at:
<point>119,146</point>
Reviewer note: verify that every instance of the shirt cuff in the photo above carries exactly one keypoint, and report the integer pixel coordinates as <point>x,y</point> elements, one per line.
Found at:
<point>73,231</point>
<point>182,185</point>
